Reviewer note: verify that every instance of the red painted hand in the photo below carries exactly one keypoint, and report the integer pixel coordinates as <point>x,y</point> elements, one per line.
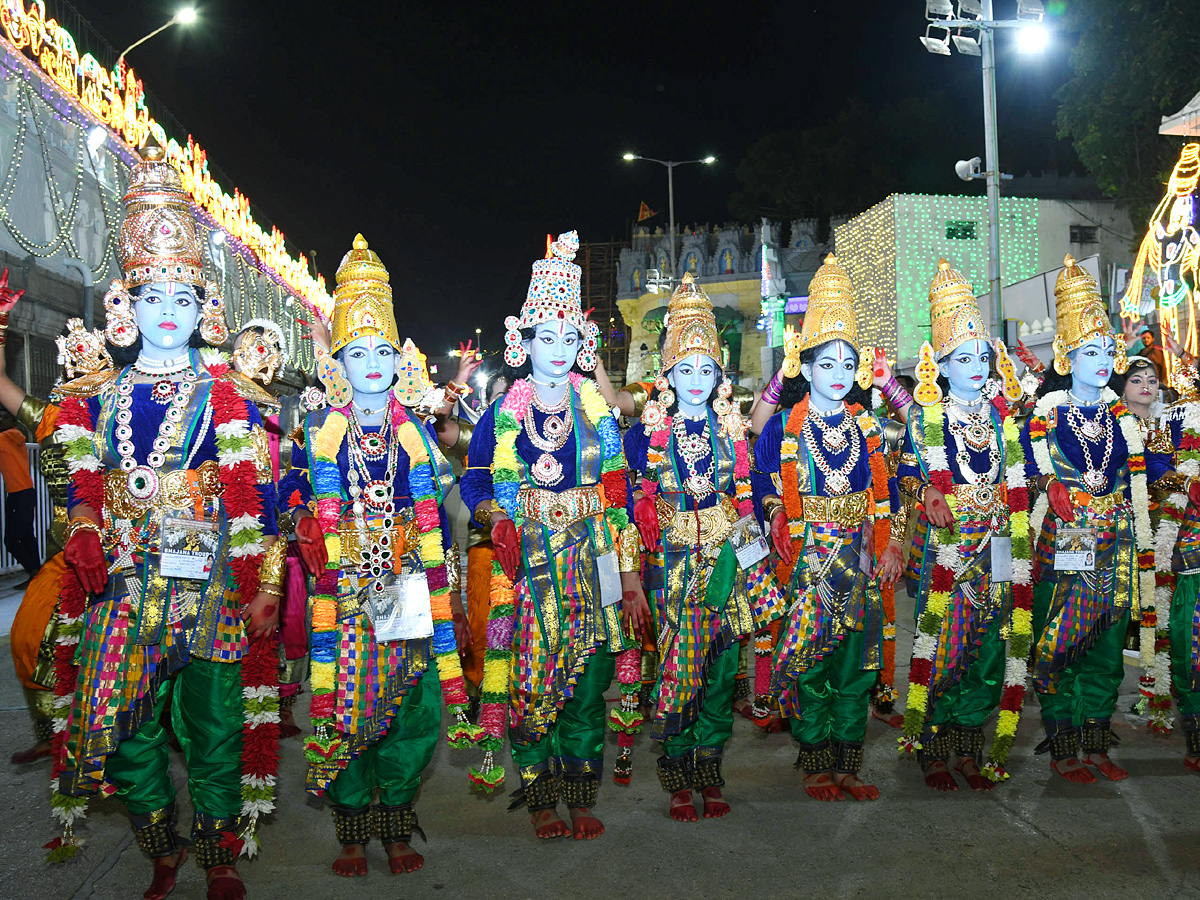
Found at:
<point>781,537</point>
<point>85,555</point>
<point>313,553</point>
<point>645,516</point>
<point>8,297</point>
<point>1060,501</point>
<point>890,564</point>
<point>507,546</point>
<point>882,371</point>
<point>1194,493</point>
<point>937,510</point>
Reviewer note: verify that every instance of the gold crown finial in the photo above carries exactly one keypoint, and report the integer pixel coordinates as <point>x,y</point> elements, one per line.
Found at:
<point>1068,260</point>
<point>151,150</point>
<point>944,264</point>
<point>688,278</point>
<point>360,242</point>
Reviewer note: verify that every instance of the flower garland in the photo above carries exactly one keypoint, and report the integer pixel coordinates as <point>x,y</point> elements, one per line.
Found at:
<point>948,566</point>
<point>508,473</point>
<point>327,487</point>
<point>1155,631</point>
<point>259,664</point>
<point>1143,532</point>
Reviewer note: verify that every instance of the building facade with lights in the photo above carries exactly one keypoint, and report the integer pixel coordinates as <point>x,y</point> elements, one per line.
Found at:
<point>68,131</point>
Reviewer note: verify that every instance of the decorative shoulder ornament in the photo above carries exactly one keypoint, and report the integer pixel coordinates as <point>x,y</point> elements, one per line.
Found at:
<point>1081,317</point>
<point>553,295</point>
<point>82,352</point>
<point>259,350</point>
<point>414,389</point>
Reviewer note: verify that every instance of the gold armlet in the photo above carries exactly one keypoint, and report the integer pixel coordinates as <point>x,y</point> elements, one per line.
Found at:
<point>274,563</point>
<point>483,514</point>
<point>30,412</point>
<point>628,550</point>
<point>454,570</point>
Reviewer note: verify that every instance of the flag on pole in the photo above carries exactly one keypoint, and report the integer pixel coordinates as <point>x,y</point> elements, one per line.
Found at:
<point>645,212</point>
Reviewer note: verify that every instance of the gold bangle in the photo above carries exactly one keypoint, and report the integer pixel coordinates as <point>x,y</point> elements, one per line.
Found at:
<point>628,550</point>
<point>274,564</point>
<point>81,523</point>
<point>268,589</point>
<point>771,505</point>
<point>483,515</point>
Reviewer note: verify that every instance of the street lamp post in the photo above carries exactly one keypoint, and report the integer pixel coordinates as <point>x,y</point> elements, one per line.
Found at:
<point>185,16</point>
<point>670,167</point>
<point>479,342</point>
<point>977,15</point>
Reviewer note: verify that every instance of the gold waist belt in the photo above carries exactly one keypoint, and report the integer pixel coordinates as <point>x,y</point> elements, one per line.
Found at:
<point>981,501</point>
<point>1099,506</point>
<point>405,536</point>
<point>179,489</point>
<point>849,510</point>
<point>697,527</point>
<point>560,511</point>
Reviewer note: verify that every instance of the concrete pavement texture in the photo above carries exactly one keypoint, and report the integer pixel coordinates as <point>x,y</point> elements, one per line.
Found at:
<point>1035,836</point>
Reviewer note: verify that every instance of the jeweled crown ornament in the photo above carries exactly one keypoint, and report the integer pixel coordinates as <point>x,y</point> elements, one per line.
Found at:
<point>259,350</point>
<point>413,387</point>
<point>82,352</point>
<point>691,325</point>
<point>553,295</point>
<point>1081,316</point>
<point>830,315</point>
<point>362,300</point>
<point>158,240</point>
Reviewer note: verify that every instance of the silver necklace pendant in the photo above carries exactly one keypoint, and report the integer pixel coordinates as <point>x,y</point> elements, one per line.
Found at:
<point>837,483</point>
<point>547,471</point>
<point>1094,481</point>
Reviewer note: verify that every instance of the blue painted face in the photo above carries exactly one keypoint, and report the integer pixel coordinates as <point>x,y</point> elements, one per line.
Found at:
<point>1092,364</point>
<point>966,367</point>
<point>370,364</point>
<point>167,314</point>
<point>693,379</point>
<point>831,374</point>
<point>552,350</point>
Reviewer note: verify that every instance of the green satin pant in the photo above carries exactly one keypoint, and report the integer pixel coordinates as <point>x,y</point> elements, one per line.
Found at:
<point>832,696</point>
<point>394,763</point>
<point>976,695</point>
<point>1183,607</point>
<point>714,724</point>
<point>206,713</point>
<point>578,731</point>
<point>1088,688</point>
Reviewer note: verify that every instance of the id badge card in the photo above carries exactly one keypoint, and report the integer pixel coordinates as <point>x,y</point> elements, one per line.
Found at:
<point>748,542</point>
<point>1002,561</point>
<point>609,574</point>
<point>187,548</point>
<point>399,608</point>
<point>1075,550</point>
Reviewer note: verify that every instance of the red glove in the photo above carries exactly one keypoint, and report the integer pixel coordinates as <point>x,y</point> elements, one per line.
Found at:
<point>313,553</point>
<point>645,516</point>
<point>1194,493</point>
<point>507,546</point>
<point>781,537</point>
<point>85,555</point>
<point>1060,501</point>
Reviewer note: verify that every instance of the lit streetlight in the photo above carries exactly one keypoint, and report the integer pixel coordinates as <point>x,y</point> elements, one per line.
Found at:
<point>479,343</point>
<point>670,167</point>
<point>974,35</point>
<point>185,16</point>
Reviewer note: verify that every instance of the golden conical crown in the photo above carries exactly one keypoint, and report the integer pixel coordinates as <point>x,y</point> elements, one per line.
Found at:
<point>691,325</point>
<point>362,300</point>
<point>830,315</point>
<point>954,315</point>
<point>1081,315</point>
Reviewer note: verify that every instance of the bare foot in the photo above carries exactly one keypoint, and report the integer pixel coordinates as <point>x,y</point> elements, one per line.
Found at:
<point>856,787</point>
<point>287,724</point>
<point>938,777</point>
<point>969,769</point>
<point>403,858</point>
<point>33,754</point>
<point>714,804</point>
<point>1073,770</point>
<point>820,786</point>
<point>547,824</point>
<point>352,861</point>
<point>585,825</point>
<point>682,808</point>
<point>892,720</point>
<point>1193,763</point>
<point>163,882</point>
<point>1106,766</point>
<point>224,883</point>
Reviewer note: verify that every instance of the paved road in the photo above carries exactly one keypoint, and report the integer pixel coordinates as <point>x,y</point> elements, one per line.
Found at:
<point>1034,837</point>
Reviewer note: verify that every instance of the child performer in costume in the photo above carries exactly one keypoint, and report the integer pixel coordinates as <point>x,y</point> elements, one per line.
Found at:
<point>383,644</point>
<point>1094,556</point>
<point>824,487</point>
<point>168,466</point>
<point>969,563</point>
<point>548,474</point>
<point>690,449</point>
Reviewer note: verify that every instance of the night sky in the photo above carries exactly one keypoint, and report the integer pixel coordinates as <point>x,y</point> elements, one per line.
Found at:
<point>455,136</point>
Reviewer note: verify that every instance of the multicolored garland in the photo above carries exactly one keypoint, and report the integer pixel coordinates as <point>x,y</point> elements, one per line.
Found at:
<point>508,473</point>
<point>1143,532</point>
<point>328,488</point>
<point>260,661</point>
<point>949,565</point>
<point>1155,631</point>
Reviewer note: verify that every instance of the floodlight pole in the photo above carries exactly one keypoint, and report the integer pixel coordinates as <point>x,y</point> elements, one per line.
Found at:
<point>987,49</point>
